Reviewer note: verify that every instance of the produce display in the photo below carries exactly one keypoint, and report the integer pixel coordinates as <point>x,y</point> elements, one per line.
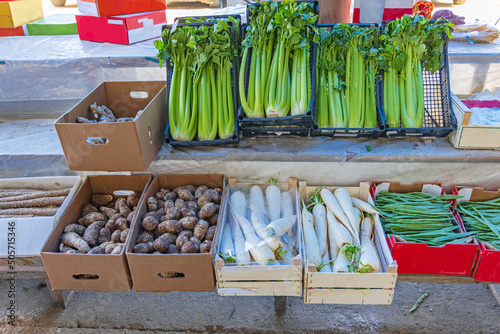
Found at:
<point>346,66</point>
<point>102,114</point>
<point>201,101</point>
<point>103,227</point>
<point>181,220</point>
<point>277,47</point>
<point>408,46</point>
<point>482,219</point>
<point>338,233</point>
<point>31,202</point>
<point>420,217</point>
<point>261,228</point>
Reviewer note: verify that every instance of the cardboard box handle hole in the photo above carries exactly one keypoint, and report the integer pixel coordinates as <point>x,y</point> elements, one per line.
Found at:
<point>150,135</point>
<point>171,275</point>
<point>123,192</point>
<point>97,140</point>
<point>86,276</point>
<point>139,94</point>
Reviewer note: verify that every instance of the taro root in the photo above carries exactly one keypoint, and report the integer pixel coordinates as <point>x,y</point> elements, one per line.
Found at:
<point>101,200</point>
<point>111,224</point>
<point>180,203</point>
<point>172,213</point>
<point>161,245</point>
<point>91,234</point>
<point>192,205</point>
<point>188,222</point>
<point>176,190</point>
<point>121,205</point>
<point>146,247</point>
<point>195,240</point>
<point>190,247</point>
<point>108,211</point>
<point>205,246</point>
<point>185,195</point>
<point>160,195</point>
<point>207,211</point>
<point>97,250</point>
<point>77,228</point>
<point>169,204</point>
<point>187,233</point>
<point>171,226</point>
<point>171,238</point>
<point>165,190</point>
<point>88,208</point>
<point>172,249</point>
<point>144,237</point>
<point>122,224</point>
<point>73,240</point>
<point>190,188</point>
<point>204,199</point>
<point>149,223</point>
<point>152,204</point>
<point>210,234</point>
<point>133,200</point>
<point>157,232</point>
<point>115,237</point>
<point>200,191</point>
<point>201,229</point>
<point>188,213</point>
<point>214,219</point>
<point>181,240</point>
<point>170,196</point>
<point>123,235</point>
<point>91,218</point>
<point>155,214</point>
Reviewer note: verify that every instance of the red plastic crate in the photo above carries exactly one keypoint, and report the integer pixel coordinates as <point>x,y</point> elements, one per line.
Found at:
<point>419,258</point>
<point>487,264</point>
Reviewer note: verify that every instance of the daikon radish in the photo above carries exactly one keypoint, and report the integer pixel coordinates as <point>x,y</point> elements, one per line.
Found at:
<point>344,200</point>
<point>260,251</point>
<point>287,208</point>
<point>340,234</point>
<point>310,239</point>
<point>368,261</point>
<point>321,226</point>
<point>326,265</point>
<point>226,244</point>
<point>279,227</point>
<point>257,207</point>
<point>239,202</point>
<point>341,264</point>
<point>363,206</point>
<point>273,198</point>
<point>359,216</point>
<point>367,227</point>
<point>242,255</point>
<point>351,254</point>
<point>332,245</point>
<point>333,205</point>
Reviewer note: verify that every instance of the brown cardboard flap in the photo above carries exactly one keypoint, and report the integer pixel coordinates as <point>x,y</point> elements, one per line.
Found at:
<point>397,187</point>
<point>480,194</point>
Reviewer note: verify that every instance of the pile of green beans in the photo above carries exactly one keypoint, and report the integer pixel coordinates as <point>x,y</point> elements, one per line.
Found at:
<point>419,217</point>
<point>482,219</point>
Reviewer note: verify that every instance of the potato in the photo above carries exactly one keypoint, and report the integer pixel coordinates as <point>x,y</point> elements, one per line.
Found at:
<point>190,188</point>
<point>200,229</point>
<point>149,223</point>
<point>97,250</point>
<point>111,224</point>
<point>190,247</point>
<point>152,204</point>
<point>210,234</point>
<point>88,208</point>
<point>122,224</point>
<point>180,203</point>
<point>91,218</point>
<point>91,234</point>
<point>207,211</point>
<point>192,205</point>
<point>169,204</point>
<point>200,191</point>
<point>160,195</point>
<point>170,196</point>
<point>181,240</point>
<point>204,199</point>
<point>187,233</point>
<point>73,240</point>
<point>205,246</point>
<point>214,219</point>
<point>171,226</point>
<point>195,240</point>
<point>123,235</point>
<point>108,211</point>
<point>77,228</point>
<point>171,238</point>
<point>185,195</point>
<point>172,213</point>
<point>99,200</point>
<point>115,237</point>
<point>161,245</point>
<point>188,222</point>
<point>133,199</point>
<point>188,213</point>
<point>172,249</point>
<point>146,247</point>
<point>144,237</point>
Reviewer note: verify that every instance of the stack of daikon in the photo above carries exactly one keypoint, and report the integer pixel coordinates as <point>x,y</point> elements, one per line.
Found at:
<point>260,229</point>
<point>338,233</point>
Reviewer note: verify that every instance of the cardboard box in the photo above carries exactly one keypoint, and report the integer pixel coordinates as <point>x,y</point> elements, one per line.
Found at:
<point>112,7</point>
<point>352,288</point>
<point>255,279</point>
<point>19,31</point>
<point>30,233</point>
<point>57,24</point>
<point>122,29</point>
<point>14,14</point>
<point>419,258</point>
<point>129,146</point>
<point>110,272</point>
<point>487,264</point>
<point>472,137</point>
<point>194,272</point>
<point>369,11</point>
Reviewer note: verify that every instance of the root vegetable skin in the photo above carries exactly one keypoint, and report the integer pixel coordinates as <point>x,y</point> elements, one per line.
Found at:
<point>310,238</point>
<point>78,229</point>
<point>30,212</point>
<point>340,233</point>
<point>91,234</point>
<point>201,229</point>
<point>286,204</point>
<point>321,227</point>
<point>99,200</point>
<point>363,206</point>
<point>344,199</point>
<point>33,203</point>
<point>91,218</point>
<point>206,246</point>
<point>146,247</point>
<point>368,261</point>
<point>273,198</point>
<point>279,227</point>
<point>73,240</point>
<point>333,205</point>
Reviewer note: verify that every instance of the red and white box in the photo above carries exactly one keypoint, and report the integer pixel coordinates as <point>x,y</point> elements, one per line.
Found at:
<point>112,7</point>
<point>121,29</point>
<point>374,11</point>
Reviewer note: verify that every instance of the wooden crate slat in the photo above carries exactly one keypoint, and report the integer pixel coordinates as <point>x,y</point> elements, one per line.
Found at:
<point>349,296</point>
<point>260,288</point>
<point>351,280</point>
<point>259,273</point>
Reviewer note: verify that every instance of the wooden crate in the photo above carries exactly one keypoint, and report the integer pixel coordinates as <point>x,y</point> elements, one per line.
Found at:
<point>258,280</point>
<point>352,288</point>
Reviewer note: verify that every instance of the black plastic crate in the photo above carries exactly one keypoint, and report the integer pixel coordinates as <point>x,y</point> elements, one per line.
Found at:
<point>264,131</point>
<point>195,142</point>
<point>354,132</point>
<point>439,119</point>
